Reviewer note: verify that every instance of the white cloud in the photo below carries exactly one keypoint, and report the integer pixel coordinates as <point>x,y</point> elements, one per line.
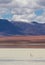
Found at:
<point>26,16</point>
<point>22,10</point>
<point>41,2</point>
<point>3,10</point>
<point>19,18</point>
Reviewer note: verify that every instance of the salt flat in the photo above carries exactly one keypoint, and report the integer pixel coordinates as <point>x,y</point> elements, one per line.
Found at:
<point>22,56</point>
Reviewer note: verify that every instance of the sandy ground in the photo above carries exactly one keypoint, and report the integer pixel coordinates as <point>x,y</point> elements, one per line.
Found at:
<point>22,56</point>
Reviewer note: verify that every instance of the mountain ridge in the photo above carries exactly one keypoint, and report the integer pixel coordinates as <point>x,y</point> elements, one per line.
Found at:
<point>8,28</point>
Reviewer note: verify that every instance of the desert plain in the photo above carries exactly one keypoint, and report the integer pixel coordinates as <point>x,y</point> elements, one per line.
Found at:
<point>22,41</point>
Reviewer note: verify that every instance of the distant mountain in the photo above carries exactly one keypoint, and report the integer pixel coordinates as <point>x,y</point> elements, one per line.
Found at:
<point>8,28</point>
<point>33,28</point>
<point>21,28</point>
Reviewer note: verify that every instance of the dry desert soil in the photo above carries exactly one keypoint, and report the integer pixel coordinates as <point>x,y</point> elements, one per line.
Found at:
<point>22,41</point>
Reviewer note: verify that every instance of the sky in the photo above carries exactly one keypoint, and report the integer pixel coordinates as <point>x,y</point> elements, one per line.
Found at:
<point>23,10</point>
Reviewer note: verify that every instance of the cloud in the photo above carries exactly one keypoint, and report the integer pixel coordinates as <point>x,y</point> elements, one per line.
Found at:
<point>26,15</point>
<point>18,3</point>
<point>41,2</point>
<point>3,10</point>
<point>40,19</point>
<point>22,10</point>
<point>5,1</point>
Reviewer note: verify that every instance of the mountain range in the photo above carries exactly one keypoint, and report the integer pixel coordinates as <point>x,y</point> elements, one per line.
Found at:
<point>8,28</point>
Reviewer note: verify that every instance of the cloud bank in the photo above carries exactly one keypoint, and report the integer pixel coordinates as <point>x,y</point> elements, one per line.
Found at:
<point>23,10</point>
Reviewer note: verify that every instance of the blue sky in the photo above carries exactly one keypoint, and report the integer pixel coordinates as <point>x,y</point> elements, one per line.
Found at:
<point>7,15</point>
<point>39,12</point>
<point>23,10</point>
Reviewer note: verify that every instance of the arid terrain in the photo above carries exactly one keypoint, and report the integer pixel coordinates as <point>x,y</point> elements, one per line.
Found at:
<point>22,42</point>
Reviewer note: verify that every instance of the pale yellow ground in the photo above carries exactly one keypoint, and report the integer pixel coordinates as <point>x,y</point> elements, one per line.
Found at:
<point>20,54</point>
